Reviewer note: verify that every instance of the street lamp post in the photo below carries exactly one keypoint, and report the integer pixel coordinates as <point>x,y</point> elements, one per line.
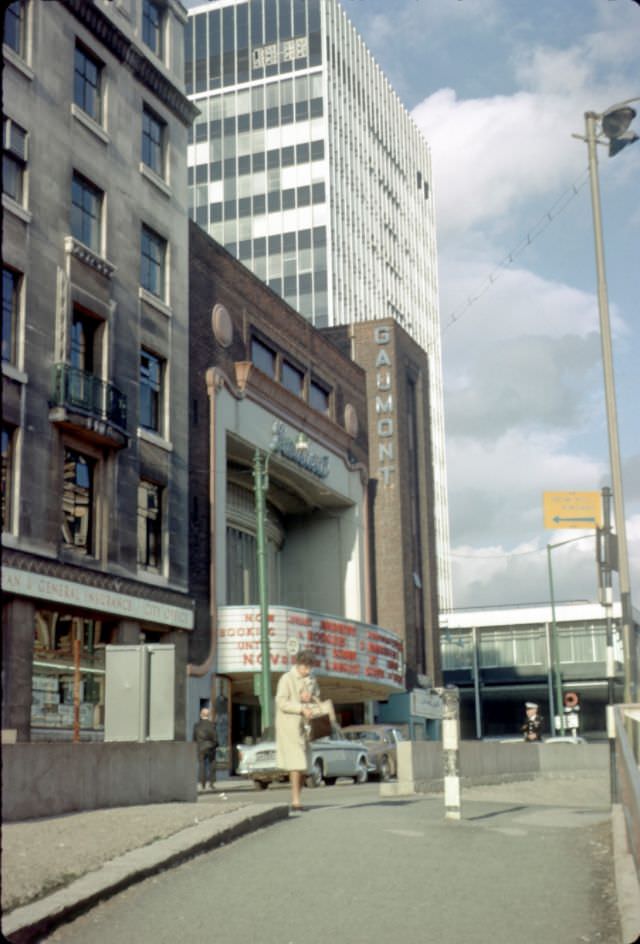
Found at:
<point>613,124</point>
<point>555,652</point>
<point>261,487</point>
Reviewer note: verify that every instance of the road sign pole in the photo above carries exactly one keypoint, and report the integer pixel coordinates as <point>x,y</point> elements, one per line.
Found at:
<point>606,599</point>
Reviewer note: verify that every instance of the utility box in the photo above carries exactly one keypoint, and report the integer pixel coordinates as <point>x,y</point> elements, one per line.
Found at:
<point>139,703</point>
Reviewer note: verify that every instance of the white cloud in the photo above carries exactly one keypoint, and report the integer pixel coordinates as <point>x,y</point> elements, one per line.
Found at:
<point>483,577</point>
<point>520,301</point>
<point>518,467</point>
<point>499,574</point>
<point>523,375</point>
<point>492,154</point>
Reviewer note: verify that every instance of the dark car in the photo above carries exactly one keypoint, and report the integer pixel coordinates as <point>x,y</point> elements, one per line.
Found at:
<point>381,741</point>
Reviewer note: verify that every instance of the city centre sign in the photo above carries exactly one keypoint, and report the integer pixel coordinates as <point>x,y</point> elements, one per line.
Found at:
<point>385,425</point>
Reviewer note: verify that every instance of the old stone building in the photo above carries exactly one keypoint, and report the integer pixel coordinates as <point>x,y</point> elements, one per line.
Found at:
<point>94,348</point>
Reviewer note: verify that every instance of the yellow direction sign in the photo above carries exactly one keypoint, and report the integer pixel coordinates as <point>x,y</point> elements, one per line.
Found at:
<point>572,510</point>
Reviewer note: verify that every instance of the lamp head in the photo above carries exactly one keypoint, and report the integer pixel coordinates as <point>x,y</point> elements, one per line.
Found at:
<point>617,144</point>
<point>616,120</point>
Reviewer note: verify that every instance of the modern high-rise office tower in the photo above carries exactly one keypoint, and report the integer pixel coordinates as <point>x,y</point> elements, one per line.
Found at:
<point>305,165</point>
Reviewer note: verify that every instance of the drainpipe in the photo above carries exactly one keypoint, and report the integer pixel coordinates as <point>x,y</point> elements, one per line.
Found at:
<point>366,504</point>
<point>213,382</point>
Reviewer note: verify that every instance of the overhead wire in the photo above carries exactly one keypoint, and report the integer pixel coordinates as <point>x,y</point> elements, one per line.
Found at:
<point>545,221</point>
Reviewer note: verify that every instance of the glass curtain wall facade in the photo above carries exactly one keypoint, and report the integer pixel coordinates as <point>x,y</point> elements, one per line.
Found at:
<point>306,166</point>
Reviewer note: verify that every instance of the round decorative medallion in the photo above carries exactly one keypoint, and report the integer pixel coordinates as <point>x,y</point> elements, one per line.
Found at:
<point>222,325</point>
<point>351,420</point>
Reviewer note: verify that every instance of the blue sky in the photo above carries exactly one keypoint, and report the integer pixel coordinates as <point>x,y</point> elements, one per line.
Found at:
<point>498,87</point>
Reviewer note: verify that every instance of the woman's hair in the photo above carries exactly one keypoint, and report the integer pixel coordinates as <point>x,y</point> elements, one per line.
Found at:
<point>305,657</point>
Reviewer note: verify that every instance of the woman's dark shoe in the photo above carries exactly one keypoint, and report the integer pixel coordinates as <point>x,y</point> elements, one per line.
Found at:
<point>297,808</point>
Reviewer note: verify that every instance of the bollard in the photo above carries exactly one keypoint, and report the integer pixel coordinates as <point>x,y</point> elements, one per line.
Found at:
<point>451,751</point>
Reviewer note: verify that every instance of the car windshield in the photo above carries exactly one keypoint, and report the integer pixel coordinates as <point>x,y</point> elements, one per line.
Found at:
<point>363,735</point>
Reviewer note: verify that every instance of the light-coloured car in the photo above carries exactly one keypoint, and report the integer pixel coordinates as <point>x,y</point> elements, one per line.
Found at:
<point>331,757</point>
<point>381,741</point>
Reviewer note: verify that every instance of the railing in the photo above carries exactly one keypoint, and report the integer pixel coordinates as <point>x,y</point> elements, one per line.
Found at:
<point>627,729</point>
<point>83,391</point>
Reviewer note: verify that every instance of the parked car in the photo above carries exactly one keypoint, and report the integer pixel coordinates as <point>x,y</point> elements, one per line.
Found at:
<point>381,741</point>
<point>331,757</point>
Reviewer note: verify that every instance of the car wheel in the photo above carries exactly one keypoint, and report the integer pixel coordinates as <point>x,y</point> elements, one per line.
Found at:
<point>362,774</point>
<point>385,769</point>
<point>260,784</point>
<point>315,777</point>
<point>330,781</point>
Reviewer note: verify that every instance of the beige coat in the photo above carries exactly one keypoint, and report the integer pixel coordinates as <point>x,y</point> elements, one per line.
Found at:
<point>292,748</point>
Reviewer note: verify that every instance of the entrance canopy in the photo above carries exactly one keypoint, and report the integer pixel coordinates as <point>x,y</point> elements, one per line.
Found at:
<point>354,661</point>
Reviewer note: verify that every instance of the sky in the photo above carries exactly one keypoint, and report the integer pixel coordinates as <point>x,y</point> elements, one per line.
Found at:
<point>498,87</point>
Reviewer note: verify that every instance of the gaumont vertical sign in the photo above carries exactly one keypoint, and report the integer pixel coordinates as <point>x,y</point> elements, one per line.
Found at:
<point>343,648</point>
<point>385,415</point>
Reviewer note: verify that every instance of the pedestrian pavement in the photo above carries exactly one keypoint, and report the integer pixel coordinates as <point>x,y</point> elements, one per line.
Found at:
<point>55,868</point>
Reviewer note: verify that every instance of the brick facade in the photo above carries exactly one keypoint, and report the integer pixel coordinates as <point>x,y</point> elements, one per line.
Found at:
<point>405,567</point>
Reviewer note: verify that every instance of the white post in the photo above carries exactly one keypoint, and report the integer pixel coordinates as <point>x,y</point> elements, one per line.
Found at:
<point>451,751</point>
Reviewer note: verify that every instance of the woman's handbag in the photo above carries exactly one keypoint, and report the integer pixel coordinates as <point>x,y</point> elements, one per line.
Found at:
<point>319,727</point>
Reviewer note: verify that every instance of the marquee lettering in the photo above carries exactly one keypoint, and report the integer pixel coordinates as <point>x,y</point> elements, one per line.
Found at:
<point>384,405</point>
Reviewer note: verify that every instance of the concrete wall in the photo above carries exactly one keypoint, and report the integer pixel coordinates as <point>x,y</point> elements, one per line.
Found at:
<point>50,779</point>
<point>420,765</point>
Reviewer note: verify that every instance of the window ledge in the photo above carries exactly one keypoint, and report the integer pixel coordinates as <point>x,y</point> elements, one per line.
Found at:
<point>11,56</point>
<point>70,555</point>
<point>89,123</point>
<point>150,576</point>
<point>75,248</point>
<point>10,370</point>
<point>155,179</point>
<point>155,302</point>
<point>10,205</point>
<point>148,436</point>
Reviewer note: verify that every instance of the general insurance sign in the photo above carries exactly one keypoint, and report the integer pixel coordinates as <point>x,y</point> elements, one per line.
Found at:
<point>342,648</point>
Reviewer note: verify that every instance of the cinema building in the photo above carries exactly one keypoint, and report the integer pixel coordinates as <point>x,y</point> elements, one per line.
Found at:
<point>263,383</point>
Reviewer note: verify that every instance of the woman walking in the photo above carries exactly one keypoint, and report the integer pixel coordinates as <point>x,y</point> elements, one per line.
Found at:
<point>294,695</point>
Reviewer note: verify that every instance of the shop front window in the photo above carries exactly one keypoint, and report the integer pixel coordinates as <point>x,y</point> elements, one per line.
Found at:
<point>55,682</point>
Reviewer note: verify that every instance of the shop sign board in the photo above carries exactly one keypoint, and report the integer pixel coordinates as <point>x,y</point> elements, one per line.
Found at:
<point>54,590</point>
<point>425,704</point>
<point>342,648</point>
